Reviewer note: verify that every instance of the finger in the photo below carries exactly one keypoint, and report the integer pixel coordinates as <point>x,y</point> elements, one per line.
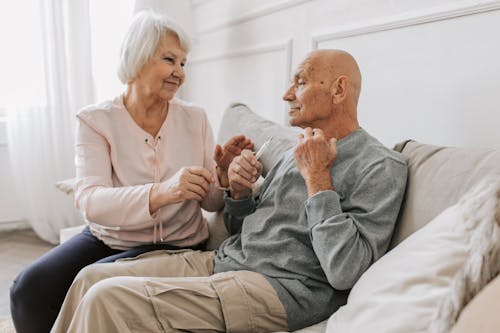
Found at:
<point>235,150</point>
<point>199,181</point>
<point>201,171</point>
<point>249,145</point>
<point>188,195</point>
<point>317,132</point>
<point>238,138</point>
<point>235,140</point>
<point>308,132</point>
<point>197,188</point>
<point>249,157</point>
<point>259,170</point>
<point>242,166</point>
<point>247,174</point>
<point>240,181</point>
<point>244,143</point>
<point>218,153</point>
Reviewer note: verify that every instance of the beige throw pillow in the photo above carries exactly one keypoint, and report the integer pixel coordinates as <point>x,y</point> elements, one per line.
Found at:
<point>67,186</point>
<point>423,283</point>
<point>437,178</point>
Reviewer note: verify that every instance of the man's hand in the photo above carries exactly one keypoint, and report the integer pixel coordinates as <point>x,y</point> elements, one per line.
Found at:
<point>224,155</point>
<point>243,171</point>
<point>314,155</point>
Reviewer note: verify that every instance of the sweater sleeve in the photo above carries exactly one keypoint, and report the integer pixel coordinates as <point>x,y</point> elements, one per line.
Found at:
<point>95,195</point>
<point>213,201</point>
<point>235,211</point>
<point>348,242</point>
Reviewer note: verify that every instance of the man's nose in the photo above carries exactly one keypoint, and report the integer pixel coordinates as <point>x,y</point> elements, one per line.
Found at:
<point>289,94</point>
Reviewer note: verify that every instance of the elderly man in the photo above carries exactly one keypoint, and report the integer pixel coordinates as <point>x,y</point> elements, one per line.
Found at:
<point>324,214</point>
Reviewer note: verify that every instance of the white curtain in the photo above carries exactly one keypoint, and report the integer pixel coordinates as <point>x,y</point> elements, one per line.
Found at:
<point>41,130</point>
<point>41,137</point>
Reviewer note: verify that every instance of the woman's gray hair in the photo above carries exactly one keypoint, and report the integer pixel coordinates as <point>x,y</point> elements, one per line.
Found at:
<point>141,40</point>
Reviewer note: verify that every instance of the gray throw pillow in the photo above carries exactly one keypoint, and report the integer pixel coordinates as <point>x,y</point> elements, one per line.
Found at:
<point>239,119</point>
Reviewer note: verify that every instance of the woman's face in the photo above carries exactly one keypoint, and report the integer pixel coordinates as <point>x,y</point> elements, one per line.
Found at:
<point>163,74</point>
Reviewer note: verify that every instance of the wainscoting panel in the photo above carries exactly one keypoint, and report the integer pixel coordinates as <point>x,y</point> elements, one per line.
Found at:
<point>434,78</point>
<point>249,76</point>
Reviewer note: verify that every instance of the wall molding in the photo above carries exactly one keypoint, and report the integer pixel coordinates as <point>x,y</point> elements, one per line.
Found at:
<point>197,3</point>
<point>406,20</point>
<point>282,46</point>
<point>253,14</point>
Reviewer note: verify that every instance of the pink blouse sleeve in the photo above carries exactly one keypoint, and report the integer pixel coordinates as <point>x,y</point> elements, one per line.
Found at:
<point>214,200</point>
<point>95,195</point>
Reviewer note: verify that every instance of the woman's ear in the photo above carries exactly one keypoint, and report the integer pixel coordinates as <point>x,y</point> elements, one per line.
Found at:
<point>339,89</point>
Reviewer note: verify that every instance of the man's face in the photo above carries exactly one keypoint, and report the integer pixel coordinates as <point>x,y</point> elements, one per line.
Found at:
<point>310,94</point>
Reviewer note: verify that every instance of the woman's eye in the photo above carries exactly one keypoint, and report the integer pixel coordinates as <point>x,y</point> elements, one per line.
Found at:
<point>300,82</point>
<point>183,64</point>
<point>169,59</point>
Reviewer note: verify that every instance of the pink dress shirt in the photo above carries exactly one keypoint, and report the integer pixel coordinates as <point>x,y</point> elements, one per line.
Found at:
<point>117,163</point>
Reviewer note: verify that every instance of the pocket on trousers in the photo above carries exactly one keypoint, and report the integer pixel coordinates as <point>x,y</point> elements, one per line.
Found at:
<point>185,304</point>
<point>155,289</point>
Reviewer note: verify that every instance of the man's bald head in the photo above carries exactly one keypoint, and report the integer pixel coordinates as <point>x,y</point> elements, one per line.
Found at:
<point>329,65</point>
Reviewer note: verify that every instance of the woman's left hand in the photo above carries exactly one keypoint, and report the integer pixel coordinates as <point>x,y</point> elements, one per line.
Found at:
<point>225,154</point>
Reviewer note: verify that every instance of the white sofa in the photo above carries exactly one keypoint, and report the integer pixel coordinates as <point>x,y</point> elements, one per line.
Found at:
<point>438,178</point>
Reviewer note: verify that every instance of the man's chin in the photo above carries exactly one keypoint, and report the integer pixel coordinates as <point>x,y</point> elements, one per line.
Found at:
<point>294,122</point>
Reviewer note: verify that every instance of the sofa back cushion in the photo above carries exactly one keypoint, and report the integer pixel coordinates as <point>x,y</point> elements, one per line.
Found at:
<point>437,178</point>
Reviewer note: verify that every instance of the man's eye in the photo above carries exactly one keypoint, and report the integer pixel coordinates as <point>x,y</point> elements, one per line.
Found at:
<point>300,82</point>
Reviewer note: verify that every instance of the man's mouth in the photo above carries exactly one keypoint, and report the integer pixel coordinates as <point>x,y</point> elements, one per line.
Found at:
<point>172,82</point>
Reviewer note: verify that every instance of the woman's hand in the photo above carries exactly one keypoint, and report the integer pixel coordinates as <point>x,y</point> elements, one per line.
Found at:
<point>224,155</point>
<point>243,173</point>
<point>189,183</point>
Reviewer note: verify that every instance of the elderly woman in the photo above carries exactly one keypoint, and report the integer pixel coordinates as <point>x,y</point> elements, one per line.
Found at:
<point>145,168</point>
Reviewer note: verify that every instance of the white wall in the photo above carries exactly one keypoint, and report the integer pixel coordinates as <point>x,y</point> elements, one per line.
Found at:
<point>430,68</point>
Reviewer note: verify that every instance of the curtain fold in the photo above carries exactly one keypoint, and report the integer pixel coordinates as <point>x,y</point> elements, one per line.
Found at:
<point>41,138</point>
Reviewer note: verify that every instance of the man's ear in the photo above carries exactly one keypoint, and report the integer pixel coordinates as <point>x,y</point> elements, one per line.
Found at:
<point>339,89</point>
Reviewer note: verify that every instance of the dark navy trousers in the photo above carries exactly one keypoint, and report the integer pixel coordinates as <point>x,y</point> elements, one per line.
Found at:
<point>38,292</point>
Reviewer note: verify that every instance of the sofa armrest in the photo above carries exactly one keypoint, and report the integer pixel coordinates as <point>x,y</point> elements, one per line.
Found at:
<point>481,314</point>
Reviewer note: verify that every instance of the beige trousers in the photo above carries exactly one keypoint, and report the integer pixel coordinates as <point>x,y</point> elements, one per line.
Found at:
<point>169,291</point>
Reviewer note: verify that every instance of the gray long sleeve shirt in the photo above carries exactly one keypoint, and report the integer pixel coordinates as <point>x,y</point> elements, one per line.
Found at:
<point>313,250</point>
